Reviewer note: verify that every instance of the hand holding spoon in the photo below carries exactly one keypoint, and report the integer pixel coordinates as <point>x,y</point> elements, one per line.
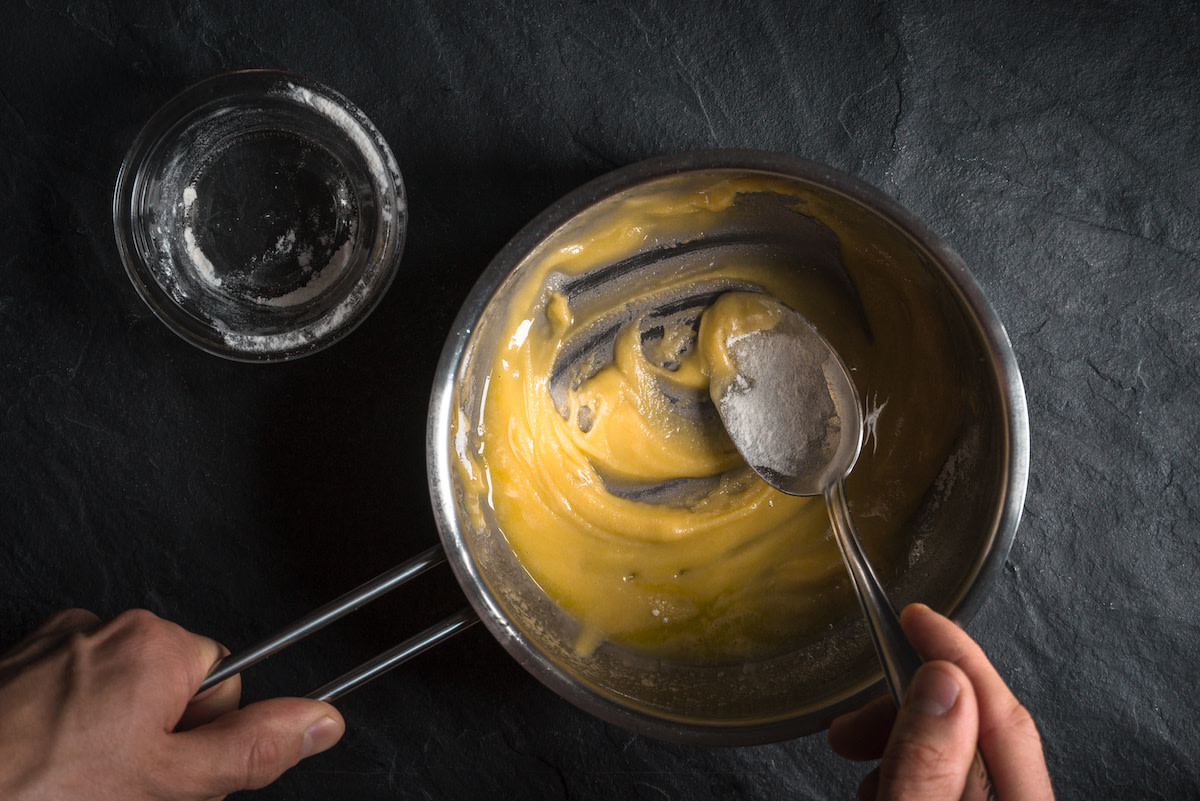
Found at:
<point>789,404</point>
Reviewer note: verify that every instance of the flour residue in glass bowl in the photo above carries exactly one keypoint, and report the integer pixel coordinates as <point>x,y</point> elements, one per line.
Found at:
<point>302,263</point>
<point>271,220</point>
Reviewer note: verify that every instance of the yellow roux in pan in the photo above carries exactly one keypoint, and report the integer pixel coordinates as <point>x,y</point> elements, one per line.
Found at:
<point>743,570</point>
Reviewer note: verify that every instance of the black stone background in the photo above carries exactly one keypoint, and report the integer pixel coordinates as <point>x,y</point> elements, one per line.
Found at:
<point>1054,144</point>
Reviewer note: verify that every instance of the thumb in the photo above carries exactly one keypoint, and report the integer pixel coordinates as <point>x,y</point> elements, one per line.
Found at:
<point>934,737</point>
<point>251,747</point>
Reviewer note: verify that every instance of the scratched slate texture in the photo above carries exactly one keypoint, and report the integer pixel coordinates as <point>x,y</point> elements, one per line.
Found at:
<point>1056,146</point>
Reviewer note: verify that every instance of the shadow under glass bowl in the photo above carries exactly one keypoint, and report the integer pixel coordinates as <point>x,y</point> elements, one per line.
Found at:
<point>260,215</point>
<point>965,528</point>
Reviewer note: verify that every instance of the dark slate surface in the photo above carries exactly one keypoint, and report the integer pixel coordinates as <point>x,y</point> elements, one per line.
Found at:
<point>1057,148</point>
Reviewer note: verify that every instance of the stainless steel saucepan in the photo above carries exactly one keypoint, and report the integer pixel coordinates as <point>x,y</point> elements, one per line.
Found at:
<point>960,536</point>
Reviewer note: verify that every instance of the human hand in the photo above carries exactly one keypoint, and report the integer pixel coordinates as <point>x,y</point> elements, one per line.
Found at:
<point>956,701</point>
<point>101,711</point>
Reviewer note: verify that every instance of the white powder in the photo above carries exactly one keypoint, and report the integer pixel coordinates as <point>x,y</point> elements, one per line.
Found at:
<point>285,243</point>
<point>871,422</point>
<point>304,257</point>
<point>805,430</point>
<point>320,281</point>
<point>381,174</point>
<point>273,343</point>
<point>204,267</point>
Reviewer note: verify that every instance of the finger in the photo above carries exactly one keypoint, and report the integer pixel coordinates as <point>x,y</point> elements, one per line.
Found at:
<point>1008,735</point>
<point>202,655</point>
<point>933,740</point>
<point>250,748</point>
<point>216,701</point>
<point>863,734</point>
<point>207,653</point>
<point>211,704</point>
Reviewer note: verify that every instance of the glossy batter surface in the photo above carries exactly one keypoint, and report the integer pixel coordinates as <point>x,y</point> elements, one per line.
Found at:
<point>619,490</point>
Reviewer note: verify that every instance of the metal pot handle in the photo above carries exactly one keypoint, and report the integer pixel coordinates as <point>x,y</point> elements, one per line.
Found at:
<point>351,601</point>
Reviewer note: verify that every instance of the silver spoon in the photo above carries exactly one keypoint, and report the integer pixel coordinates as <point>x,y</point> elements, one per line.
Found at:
<point>790,406</point>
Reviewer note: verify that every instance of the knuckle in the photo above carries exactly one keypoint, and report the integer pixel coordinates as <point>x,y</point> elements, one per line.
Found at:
<point>70,619</point>
<point>1015,719</point>
<point>1019,718</point>
<point>137,620</point>
<point>61,626</point>
<point>153,644</point>
<point>137,630</point>
<point>263,763</point>
<point>916,763</point>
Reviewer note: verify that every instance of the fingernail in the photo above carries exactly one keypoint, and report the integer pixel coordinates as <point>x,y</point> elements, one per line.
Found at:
<point>933,692</point>
<point>320,736</point>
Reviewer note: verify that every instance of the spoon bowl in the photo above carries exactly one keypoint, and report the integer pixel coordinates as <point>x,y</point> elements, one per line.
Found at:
<point>774,366</point>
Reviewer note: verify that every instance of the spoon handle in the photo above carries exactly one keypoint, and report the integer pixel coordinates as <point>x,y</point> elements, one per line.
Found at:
<point>896,655</point>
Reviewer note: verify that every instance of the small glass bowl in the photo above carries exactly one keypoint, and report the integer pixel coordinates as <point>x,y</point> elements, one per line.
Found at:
<point>260,215</point>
